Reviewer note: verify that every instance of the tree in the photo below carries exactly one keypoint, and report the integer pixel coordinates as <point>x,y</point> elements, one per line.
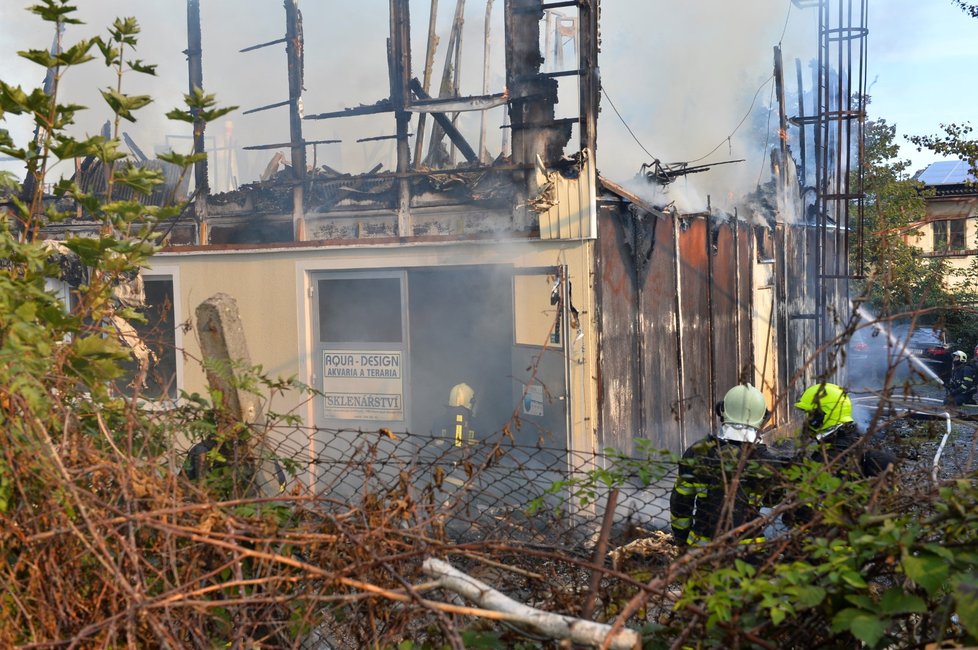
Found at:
<point>968,8</point>
<point>897,279</point>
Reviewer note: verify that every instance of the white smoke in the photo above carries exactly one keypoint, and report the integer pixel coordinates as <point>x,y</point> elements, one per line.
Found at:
<point>682,75</point>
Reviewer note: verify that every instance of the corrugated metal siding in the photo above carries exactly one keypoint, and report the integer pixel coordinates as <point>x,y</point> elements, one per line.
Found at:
<point>677,332</point>
<point>572,215</point>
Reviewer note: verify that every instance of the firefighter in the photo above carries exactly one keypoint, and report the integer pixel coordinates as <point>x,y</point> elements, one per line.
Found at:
<point>457,428</point>
<point>829,425</point>
<point>960,388</point>
<point>735,457</point>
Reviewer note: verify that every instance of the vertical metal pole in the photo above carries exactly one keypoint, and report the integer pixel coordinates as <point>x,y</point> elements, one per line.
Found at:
<point>294,53</point>
<point>196,81</point>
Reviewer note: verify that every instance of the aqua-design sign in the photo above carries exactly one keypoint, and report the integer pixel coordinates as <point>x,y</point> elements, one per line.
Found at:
<point>363,385</point>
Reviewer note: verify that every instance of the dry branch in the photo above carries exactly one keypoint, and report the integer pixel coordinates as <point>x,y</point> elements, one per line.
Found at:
<point>556,626</point>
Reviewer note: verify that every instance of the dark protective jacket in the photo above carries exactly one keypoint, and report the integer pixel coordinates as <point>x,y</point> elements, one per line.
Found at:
<point>869,462</point>
<point>456,427</point>
<point>961,385</point>
<point>707,470</point>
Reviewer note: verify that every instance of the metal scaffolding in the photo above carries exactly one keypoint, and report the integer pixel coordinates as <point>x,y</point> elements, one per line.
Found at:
<point>839,122</point>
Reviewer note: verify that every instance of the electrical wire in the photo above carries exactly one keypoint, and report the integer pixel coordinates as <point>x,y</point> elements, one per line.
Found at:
<point>628,128</point>
<point>767,141</point>
<point>785,29</point>
<point>739,124</point>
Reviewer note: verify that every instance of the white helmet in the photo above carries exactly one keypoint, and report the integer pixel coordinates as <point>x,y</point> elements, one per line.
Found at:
<point>461,395</point>
<point>745,405</point>
<point>959,356</point>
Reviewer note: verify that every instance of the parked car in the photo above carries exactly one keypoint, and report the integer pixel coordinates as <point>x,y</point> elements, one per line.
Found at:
<point>920,350</point>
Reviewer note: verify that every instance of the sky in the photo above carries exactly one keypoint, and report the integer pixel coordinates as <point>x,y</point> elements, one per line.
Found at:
<point>683,76</point>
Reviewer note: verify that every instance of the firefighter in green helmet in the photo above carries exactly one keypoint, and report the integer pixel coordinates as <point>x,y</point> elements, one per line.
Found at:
<point>732,459</point>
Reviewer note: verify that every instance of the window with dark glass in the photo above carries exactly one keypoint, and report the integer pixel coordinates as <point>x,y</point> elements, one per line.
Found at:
<point>957,234</point>
<point>940,236</point>
<point>360,310</point>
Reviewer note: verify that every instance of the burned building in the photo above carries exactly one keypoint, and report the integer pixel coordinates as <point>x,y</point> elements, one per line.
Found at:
<point>581,315</point>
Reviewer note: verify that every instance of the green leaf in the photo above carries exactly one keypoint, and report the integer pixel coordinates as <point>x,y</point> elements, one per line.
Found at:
<point>928,571</point>
<point>76,54</point>
<point>123,105</point>
<point>40,57</point>
<point>966,602</point>
<point>56,12</point>
<point>896,601</point>
<point>863,625</point>
<point>144,68</point>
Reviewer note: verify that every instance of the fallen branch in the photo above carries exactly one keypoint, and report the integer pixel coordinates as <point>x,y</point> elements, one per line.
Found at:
<point>556,626</point>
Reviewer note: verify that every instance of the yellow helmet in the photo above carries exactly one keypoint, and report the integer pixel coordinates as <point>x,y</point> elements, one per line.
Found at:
<point>827,406</point>
<point>461,395</point>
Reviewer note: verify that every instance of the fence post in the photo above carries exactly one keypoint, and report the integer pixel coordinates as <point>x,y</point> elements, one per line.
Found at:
<point>225,353</point>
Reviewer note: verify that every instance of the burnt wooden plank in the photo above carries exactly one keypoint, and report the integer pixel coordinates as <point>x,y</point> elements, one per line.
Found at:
<point>697,364</point>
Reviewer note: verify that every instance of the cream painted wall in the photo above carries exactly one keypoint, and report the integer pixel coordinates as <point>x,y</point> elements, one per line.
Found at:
<point>270,287</point>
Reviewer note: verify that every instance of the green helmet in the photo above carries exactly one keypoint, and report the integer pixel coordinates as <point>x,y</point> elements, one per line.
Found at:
<point>827,406</point>
<point>744,404</point>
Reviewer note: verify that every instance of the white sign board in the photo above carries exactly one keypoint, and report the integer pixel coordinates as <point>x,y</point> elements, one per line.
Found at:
<point>363,385</point>
<point>533,400</point>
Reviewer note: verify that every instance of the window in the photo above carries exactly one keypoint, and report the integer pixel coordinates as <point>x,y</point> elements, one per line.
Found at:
<point>949,235</point>
<point>359,310</point>
<point>158,334</point>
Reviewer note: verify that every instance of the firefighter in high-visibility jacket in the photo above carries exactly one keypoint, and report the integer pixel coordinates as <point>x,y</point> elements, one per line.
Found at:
<point>830,431</point>
<point>734,459</point>
<point>457,428</point>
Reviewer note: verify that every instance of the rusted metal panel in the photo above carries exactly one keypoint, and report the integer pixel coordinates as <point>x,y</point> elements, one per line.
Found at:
<point>697,364</point>
<point>725,309</point>
<point>745,291</point>
<point>618,352</point>
<point>661,398</point>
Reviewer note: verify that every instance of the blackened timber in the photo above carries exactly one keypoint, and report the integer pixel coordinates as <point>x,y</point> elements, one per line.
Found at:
<point>382,137</point>
<point>267,107</point>
<point>532,96</point>
<point>429,61</point>
<point>399,66</point>
<point>801,126</point>
<point>562,73</point>
<point>590,83</point>
<point>196,82</point>
<point>285,145</point>
<point>458,104</point>
<point>383,106</point>
<point>261,45</point>
<point>294,53</point>
<point>134,147</point>
<point>446,124</point>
